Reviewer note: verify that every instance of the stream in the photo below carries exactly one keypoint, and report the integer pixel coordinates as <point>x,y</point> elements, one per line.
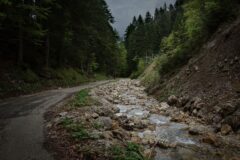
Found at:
<point>170,140</point>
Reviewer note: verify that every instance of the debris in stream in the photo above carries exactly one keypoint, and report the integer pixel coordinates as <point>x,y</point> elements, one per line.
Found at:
<point>124,114</point>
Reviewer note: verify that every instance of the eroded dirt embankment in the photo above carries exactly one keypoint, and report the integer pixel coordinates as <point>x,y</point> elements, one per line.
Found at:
<point>125,113</point>
<point>208,87</point>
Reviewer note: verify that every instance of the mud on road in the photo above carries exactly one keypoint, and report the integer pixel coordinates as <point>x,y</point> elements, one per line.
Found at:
<point>22,123</point>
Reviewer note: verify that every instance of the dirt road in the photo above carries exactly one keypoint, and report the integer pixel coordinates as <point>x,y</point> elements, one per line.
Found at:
<point>21,123</point>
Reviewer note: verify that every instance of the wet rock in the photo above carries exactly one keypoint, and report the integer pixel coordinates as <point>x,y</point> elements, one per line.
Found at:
<point>106,122</point>
<point>165,144</point>
<point>172,100</point>
<point>226,129</point>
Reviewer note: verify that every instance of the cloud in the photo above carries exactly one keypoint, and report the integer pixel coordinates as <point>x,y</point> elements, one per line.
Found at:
<point>124,10</point>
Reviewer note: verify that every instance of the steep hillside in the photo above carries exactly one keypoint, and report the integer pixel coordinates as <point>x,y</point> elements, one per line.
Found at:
<point>209,85</point>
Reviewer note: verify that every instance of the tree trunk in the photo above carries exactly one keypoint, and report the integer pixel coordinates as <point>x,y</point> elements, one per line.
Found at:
<point>20,41</point>
<point>47,52</point>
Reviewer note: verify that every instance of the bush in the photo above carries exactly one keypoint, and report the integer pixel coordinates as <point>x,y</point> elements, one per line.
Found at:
<point>131,151</point>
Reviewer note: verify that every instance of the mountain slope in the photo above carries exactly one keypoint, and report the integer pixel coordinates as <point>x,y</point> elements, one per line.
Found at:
<point>209,85</point>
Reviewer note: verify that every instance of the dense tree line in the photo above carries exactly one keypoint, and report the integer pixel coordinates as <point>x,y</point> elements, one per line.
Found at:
<point>143,36</point>
<point>176,31</point>
<point>60,33</point>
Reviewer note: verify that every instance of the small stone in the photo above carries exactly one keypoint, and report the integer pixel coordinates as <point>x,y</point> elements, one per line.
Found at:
<point>210,138</point>
<point>107,135</point>
<point>216,109</point>
<point>164,106</point>
<point>172,100</point>
<point>115,125</point>
<point>220,65</point>
<point>193,131</point>
<point>236,59</point>
<point>95,115</point>
<point>195,112</point>
<point>148,153</point>
<point>136,139</point>
<point>165,144</point>
<point>226,129</point>
<point>63,114</point>
<point>196,68</point>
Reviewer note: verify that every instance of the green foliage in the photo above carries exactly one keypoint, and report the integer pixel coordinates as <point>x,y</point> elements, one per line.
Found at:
<point>66,122</point>
<point>143,36</point>
<point>76,130</point>
<point>195,22</point>
<point>199,20</point>
<point>131,151</point>
<point>82,98</point>
<point>19,81</point>
<point>70,76</point>
<point>27,76</point>
<point>61,34</point>
<point>140,68</point>
<point>97,125</point>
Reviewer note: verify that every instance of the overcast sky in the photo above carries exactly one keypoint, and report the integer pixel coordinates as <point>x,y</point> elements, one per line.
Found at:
<point>124,10</point>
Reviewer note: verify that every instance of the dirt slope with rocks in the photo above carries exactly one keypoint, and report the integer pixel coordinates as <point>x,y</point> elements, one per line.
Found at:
<point>209,85</point>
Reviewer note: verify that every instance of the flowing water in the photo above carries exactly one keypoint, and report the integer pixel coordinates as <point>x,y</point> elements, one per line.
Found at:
<point>182,145</point>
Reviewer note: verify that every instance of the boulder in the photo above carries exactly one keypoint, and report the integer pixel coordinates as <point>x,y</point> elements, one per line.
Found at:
<point>233,120</point>
<point>106,122</point>
<point>228,108</point>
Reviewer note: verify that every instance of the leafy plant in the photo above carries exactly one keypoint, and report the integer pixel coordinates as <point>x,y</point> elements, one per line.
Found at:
<point>131,151</point>
<point>76,130</point>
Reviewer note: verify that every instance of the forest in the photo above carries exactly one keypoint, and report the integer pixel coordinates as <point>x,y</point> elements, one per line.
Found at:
<point>61,42</point>
<point>174,33</point>
<point>49,43</point>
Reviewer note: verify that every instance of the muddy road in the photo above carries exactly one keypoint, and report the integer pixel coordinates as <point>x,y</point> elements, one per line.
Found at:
<point>22,121</point>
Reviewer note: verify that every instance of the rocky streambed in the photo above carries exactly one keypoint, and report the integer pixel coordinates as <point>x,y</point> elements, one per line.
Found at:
<point>125,113</point>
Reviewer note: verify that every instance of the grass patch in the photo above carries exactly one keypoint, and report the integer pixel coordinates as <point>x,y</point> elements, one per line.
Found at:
<point>131,151</point>
<point>83,99</point>
<point>76,130</point>
<point>97,125</point>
